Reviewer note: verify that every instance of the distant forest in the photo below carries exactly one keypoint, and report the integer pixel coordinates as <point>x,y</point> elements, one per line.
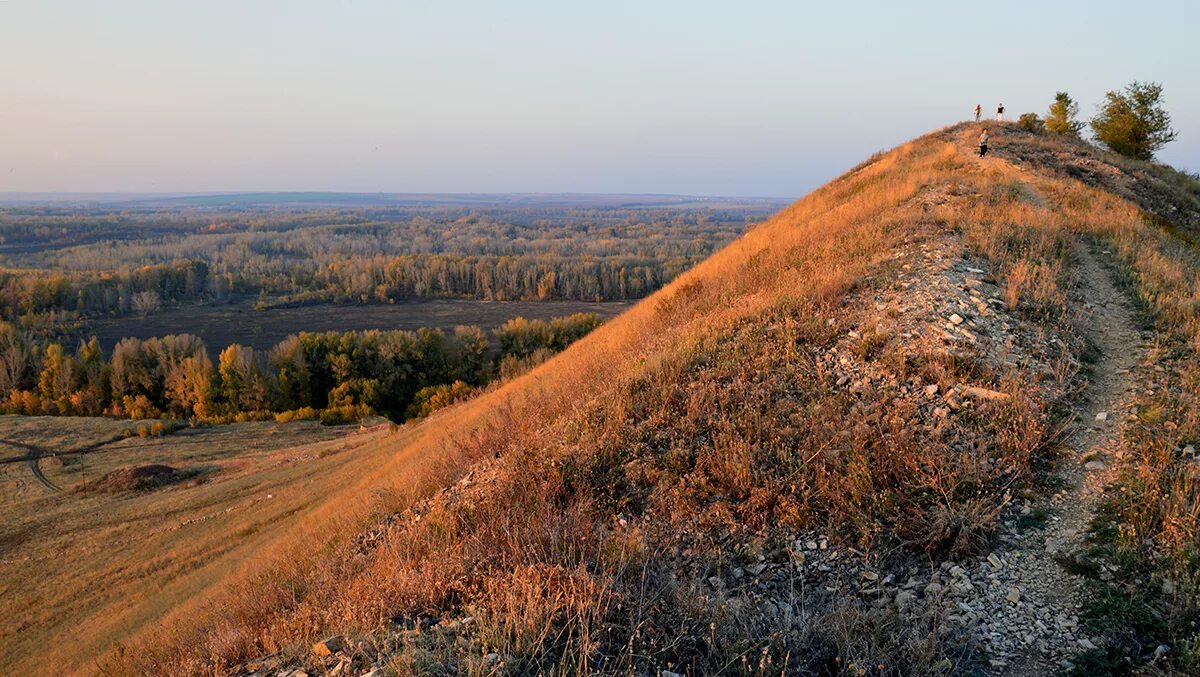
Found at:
<point>60,265</point>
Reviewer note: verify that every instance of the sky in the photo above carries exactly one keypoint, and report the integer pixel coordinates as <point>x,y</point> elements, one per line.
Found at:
<point>748,98</point>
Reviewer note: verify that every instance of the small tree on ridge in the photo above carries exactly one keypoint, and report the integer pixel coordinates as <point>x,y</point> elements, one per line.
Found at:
<point>1061,118</point>
<point>1132,122</point>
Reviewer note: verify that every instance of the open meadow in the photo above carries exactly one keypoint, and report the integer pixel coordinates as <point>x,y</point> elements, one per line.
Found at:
<point>87,560</point>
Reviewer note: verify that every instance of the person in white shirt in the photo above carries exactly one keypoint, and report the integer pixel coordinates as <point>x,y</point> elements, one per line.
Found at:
<point>983,142</point>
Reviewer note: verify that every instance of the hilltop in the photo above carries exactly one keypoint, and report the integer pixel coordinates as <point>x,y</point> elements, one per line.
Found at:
<point>938,417</point>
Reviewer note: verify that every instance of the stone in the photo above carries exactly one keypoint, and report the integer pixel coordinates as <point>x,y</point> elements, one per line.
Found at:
<point>756,569</point>
<point>1161,650</point>
<point>956,319</point>
<point>985,393</point>
<point>1168,586</point>
<point>903,599</point>
<point>327,646</point>
<point>1102,416</point>
<point>1014,595</point>
<point>931,390</point>
<point>1094,465</point>
<point>870,575</point>
<point>994,561</point>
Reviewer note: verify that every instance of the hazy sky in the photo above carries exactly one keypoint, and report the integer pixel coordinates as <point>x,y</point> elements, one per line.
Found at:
<point>719,98</point>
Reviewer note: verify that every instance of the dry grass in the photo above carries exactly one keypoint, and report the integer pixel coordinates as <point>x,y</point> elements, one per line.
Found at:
<point>620,473</point>
<point>84,570</point>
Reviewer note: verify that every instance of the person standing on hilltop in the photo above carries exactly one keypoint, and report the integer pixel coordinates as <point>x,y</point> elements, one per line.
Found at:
<point>983,141</point>
<point>978,111</point>
<point>1000,113</point>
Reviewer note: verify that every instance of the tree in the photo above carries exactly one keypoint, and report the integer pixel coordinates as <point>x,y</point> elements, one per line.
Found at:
<point>146,303</point>
<point>243,384</point>
<point>133,370</point>
<point>293,375</point>
<point>1132,122</point>
<point>189,385</point>
<point>58,376</point>
<point>14,358</point>
<point>1061,118</point>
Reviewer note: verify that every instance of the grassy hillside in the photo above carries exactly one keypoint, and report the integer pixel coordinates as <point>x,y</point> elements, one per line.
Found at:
<point>778,462</point>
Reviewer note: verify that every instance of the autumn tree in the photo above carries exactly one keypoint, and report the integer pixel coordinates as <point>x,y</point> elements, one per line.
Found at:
<point>242,382</point>
<point>189,385</point>
<point>57,378</point>
<point>14,359</point>
<point>293,376</point>
<point>1133,122</point>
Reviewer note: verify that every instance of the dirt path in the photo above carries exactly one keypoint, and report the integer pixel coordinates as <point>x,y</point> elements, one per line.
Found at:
<point>1037,628</point>
<point>33,458</point>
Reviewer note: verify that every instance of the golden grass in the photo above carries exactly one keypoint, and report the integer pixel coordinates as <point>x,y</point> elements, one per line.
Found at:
<point>701,415</point>
<point>82,571</point>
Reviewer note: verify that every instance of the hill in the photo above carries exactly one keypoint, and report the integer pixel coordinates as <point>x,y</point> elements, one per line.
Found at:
<point>935,418</point>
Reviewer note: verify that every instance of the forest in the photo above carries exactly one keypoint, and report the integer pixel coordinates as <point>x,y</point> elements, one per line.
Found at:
<point>66,265</point>
<point>63,264</point>
<point>334,376</point>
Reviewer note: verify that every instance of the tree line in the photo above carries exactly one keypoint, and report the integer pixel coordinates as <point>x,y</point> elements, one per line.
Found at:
<point>334,376</point>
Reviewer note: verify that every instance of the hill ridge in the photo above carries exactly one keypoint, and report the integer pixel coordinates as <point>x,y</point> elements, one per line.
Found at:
<point>797,457</point>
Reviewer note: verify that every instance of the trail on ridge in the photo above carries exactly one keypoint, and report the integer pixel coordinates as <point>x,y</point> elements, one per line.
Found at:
<point>1037,628</point>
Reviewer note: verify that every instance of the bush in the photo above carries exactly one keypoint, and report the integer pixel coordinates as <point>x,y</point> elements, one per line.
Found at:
<point>512,366</point>
<point>1132,122</point>
<point>1031,122</point>
<point>432,398</point>
<point>343,415</point>
<point>301,414</point>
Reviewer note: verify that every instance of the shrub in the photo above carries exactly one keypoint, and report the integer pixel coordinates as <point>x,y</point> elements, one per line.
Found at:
<point>1133,122</point>
<point>1031,122</point>
<point>512,366</point>
<point>343,415</point>
<point>432,398</point>
<point>301,414</point>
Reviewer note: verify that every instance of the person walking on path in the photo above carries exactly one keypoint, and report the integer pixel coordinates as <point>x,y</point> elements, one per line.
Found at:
<point>1000,113</point>
<point>978,111</point>
<point>983,142</point>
